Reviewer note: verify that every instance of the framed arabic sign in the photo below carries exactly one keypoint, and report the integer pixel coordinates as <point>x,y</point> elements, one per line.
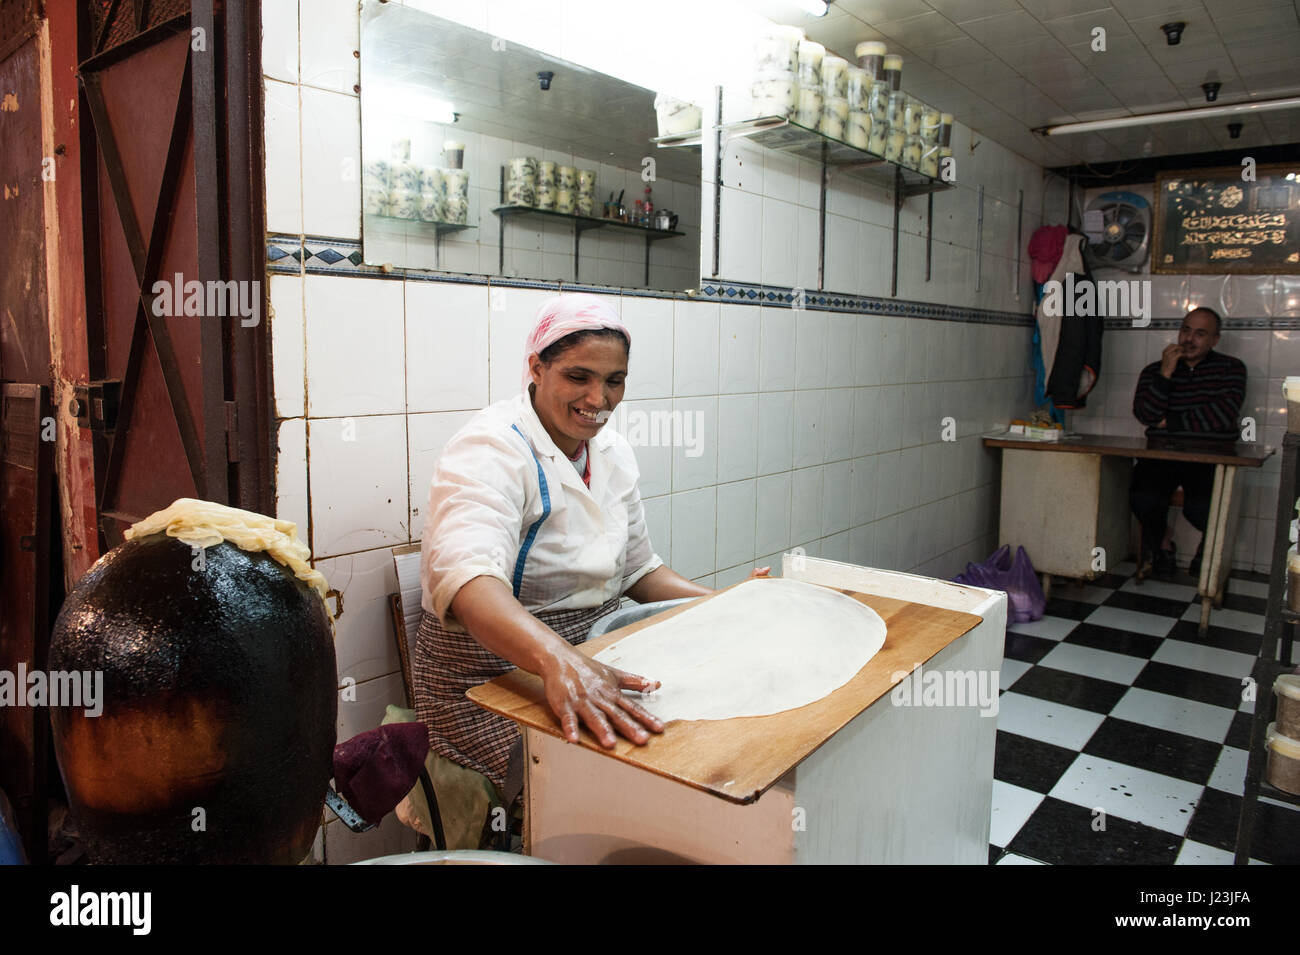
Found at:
<point>1214,221</point>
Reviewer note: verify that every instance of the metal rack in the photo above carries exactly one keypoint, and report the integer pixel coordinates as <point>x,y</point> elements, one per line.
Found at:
<point>581,224</point>
<point>1275,652</point>
<point>780,133</point>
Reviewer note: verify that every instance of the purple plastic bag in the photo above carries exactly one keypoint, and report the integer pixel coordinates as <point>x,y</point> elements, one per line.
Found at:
<point>1016,577</point>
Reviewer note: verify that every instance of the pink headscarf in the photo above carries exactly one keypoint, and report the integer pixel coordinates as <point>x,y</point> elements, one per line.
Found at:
<point>563,315</point>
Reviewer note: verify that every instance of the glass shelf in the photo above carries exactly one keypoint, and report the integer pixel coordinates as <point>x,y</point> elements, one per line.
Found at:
<point>777,132</point>
<point>440,228</point>
<point>789,136</point>
<point>583,223</point>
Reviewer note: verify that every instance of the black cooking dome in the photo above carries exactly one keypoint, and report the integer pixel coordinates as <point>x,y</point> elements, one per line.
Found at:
<point>219,705</point>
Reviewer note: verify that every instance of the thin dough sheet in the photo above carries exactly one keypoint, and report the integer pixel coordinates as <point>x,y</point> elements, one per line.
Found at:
<point>763,647</point>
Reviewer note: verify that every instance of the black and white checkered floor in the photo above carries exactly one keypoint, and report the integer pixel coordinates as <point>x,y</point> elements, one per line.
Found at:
<point>1111,701</point>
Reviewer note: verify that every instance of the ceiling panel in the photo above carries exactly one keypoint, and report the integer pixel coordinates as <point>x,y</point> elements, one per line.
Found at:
<point>1004,67</point>
<point>926,30</point>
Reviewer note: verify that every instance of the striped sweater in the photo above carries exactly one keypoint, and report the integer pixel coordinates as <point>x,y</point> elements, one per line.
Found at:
<point>1204,401</point>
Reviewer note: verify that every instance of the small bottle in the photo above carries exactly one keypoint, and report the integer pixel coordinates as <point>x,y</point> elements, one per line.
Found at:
<point>648,209</point>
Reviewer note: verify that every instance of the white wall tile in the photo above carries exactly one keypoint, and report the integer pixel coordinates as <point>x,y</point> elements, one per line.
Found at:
<point>291,476</point>
<point>362,708</point>
<point>809,428</point>
<point>806,505</point>
<point>427,435</point>
<point>736,523</point>
<point>511,315</point>
<point>737,437</point>
<point>282,142</point>
<point>738,349</point>
<point>280,40</point>
<point>359,490</point>
<point>741,251</point>
<point>862,490</point>
<point>659,523</point>
<point>776,364</point>
<point>694,523</point>
<point>329,31</point>
<point>695,460</point>
<point>355,362</point>
<point>650,369</point>
<point>695,348</point>
<point>841,349</point>
<point>775,431</point>
<point>780,236</point>
<point>837,424</point>
<point>772,529</point>
<point>331,164</point>
<point>364,643</point>
<point>446,346</point>
<point>810,349</point>
<point>837,483</point>
<point>654,456</point>
<point>287,346</point>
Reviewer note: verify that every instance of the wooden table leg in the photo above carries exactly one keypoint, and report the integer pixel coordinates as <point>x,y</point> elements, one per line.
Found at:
<point>1205,616</point>
<point>1047,586</point>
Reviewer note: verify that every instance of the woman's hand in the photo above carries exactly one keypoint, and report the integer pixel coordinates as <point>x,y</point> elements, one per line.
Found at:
<point>759,572</point>
<point>580,688</point>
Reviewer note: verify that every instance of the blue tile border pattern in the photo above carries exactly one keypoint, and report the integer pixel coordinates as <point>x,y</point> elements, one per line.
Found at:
<point>316,255</point>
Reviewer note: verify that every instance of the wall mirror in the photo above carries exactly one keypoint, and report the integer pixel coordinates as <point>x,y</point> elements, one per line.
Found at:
<point>485,157</point>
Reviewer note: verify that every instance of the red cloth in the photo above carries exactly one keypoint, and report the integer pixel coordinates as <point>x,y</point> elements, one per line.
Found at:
<point>374,770</point>
<point>1045,248</point>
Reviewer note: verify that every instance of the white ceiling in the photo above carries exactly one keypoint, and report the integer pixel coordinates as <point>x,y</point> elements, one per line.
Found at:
<point>1004,67</point>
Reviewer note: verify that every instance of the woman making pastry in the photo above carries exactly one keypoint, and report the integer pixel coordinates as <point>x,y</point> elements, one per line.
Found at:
<point>535,530</point>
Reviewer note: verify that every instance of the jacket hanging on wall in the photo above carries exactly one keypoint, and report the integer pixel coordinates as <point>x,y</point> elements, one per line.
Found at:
<point>1071,344</point>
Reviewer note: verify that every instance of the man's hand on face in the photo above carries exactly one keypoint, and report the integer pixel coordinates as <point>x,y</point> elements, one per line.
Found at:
<point>1169,359</point>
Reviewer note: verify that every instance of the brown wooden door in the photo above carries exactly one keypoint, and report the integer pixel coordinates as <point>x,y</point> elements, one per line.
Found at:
<point>173,179</point>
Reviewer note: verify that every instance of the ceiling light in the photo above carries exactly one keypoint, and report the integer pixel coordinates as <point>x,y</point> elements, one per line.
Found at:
<point>1171,116</point>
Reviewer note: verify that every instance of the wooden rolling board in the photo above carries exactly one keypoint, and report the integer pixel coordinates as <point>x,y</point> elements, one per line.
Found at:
<point>738,759</point>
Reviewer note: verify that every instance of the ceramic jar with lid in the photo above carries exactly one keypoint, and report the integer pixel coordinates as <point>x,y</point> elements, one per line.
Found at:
<point>871,57</point>
<point>878,101</point>
<point>811,54</point>
<point>911,157</point>
<point>835,77</point>
<point>858,132</point>
<point>894,71</point>
<point>809,111</point>
<point>777,50</point>
<point>774,94</point>
<point>858,89</point>
<point>835,117</point>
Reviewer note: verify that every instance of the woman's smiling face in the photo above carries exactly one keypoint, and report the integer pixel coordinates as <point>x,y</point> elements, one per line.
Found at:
<point>585,379</point>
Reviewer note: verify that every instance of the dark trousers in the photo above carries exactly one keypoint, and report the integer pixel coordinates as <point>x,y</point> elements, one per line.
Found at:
<point>1154,482</point>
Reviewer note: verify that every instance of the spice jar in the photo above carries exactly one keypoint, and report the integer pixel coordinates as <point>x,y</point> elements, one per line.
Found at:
<point>809,112</point>
<point>871,57</point>
<point>878,101</point>
<point>877,136</point>
<point>811,54</point>
<point>858,131</point>
<point>775,94</point>
<point>894,71</point>
<point>835,77</point>
<point>835,117</point>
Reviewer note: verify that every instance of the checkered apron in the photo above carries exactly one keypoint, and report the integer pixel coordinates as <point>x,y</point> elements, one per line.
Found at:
<point>447,664</point>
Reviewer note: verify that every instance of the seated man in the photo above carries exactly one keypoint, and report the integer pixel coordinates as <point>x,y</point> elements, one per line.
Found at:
<point>1192,391</point>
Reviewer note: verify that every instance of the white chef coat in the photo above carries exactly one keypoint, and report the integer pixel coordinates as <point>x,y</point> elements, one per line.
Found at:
<point>507,503</point>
